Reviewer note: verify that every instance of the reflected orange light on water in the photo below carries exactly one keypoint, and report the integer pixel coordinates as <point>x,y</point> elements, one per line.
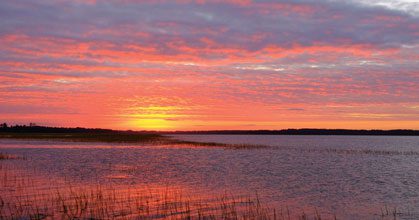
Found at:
<point>30,194</point>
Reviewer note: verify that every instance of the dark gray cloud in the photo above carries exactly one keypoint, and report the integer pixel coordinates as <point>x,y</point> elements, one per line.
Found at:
<point>282,23</point>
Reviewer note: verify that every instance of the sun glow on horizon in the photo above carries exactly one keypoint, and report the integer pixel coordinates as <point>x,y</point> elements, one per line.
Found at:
<point>151,124</point>
<point>152,117</point>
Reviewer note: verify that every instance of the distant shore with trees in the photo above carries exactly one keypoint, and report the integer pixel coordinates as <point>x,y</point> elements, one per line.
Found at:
<point>34,129</point>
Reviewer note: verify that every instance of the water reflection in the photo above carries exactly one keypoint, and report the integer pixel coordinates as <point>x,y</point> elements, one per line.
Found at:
<point>338,178</point>
<point>27,195</point>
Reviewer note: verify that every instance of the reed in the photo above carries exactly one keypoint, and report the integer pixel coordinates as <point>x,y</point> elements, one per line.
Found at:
<point>121,137</point>
<point>4,156</point>
<point>25,196</point>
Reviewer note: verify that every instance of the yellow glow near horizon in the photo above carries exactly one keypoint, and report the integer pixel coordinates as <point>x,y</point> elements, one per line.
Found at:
<point>151,117</point>
<point>152,124</point>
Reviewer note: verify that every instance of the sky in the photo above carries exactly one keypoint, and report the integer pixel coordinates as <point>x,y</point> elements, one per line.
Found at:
<point>210,64</point>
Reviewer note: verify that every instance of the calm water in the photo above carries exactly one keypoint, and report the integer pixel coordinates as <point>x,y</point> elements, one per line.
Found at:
<point>351,176</point>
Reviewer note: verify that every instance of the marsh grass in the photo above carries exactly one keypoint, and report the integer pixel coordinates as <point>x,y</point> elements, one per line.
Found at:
<point>99,203</point>
<point>4,156</point>
<point>171,141</point>
<point>107,203</point>
<point>25,195</point>
<point>121,137</point>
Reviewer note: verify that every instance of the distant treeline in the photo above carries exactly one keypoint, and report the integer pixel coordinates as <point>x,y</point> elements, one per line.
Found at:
<point>33,128</point>
<point>305,131</point>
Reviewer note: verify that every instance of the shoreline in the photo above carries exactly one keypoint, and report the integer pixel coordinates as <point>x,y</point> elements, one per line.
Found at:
<point>120,138</point>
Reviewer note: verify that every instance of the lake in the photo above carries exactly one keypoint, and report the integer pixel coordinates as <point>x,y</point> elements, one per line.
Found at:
<point>350,177</point>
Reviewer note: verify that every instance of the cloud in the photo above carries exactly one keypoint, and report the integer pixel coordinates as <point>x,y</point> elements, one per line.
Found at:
<point>24,109</point>
<point>213,60</point>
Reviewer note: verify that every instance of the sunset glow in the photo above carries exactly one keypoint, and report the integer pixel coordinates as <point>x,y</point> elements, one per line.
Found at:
<point>206,65</point>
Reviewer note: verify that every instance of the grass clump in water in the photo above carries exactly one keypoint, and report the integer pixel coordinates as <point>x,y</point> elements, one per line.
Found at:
<point>4,156</point>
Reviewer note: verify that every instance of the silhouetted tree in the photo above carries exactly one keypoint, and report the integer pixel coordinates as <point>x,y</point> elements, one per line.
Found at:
<point>4,125</point>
